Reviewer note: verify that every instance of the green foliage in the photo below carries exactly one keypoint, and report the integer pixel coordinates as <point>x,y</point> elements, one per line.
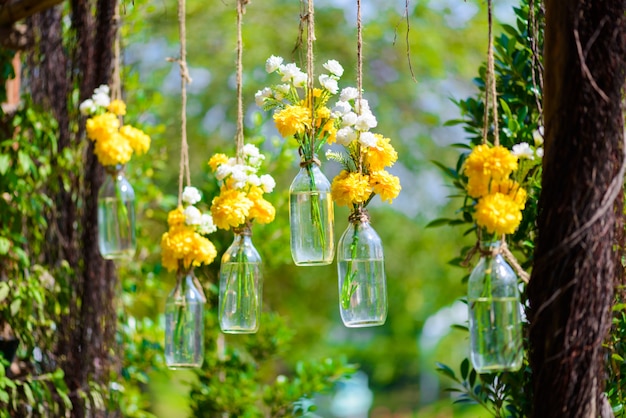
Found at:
<point>502,394</point>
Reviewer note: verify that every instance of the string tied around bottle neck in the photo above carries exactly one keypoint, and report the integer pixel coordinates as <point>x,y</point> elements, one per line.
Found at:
<point>493,251</point>
<point>359,215</point>
<point>183,273</point>
<point>244,230</point>
<point>309,162</point>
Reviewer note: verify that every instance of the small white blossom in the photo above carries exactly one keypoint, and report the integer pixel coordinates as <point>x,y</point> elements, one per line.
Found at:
<point>365,122</point>
<point>261,95</point>
<point>239,174</point>
<point>345,136</point>
<point>300,80</point>
<point>87,107</point>
<point>251,150</point>
<point>192,215</point>
<point>362,106</point>
<point>523,150</point>
<point>267,183</point>
<point>191,195</point>
<point>539,152</point>
<point>283,88</point>
<point>101,99</point>
<point>349,93</point>
<point>334,68</point>
<point>223,171</point>
<point>538,136</point>
<point>368,139</point>
<point>329,83</point>
<point>273,63</point>
<point>102,89</point>
<point>254,180</point>
<point>349,119</point>
<point>206,226</point>
<point>288,71</point>
<point>341,108</point>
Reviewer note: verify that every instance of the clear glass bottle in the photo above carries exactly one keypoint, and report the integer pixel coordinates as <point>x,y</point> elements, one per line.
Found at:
<point>116,216</point>
<point>311,218</point>
<point>241,286</point>
<point>184,324</point>
<point>494,313</point>
<point>361,269</point>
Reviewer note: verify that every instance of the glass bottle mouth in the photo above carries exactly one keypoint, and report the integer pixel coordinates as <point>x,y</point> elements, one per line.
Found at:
<point>114,169</point>
<point>490,245</point>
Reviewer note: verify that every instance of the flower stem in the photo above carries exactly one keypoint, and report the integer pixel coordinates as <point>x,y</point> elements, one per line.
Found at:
<point>349,286</point>
<point>316,213</point>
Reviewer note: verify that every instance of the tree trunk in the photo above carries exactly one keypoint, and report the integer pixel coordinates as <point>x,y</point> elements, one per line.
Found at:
<point>87,333</point>
<point>576,265</point>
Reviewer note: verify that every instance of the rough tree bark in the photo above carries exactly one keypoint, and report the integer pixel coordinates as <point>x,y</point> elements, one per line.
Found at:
<point>576,265</point>
<point>86,335</point>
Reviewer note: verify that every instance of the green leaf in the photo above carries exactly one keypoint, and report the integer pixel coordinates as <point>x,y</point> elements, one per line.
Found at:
<point>445,370</point>
<point>24,161</point>
<point>15,306</point>
<point>28,393</point>
<point>4,291</point>
<point>464,369</point>
<point>5,162</point>
<point>5,245</point>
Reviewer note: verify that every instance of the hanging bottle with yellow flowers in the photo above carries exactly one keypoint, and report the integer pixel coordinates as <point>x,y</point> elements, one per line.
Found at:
<point>239,204</point>
<point>493,295</point>
<point>360,259</point>
<point>183,247</point>
<point>113,146</point>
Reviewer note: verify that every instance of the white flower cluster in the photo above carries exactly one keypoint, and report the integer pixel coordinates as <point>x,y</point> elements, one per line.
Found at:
<point>355,118</point>
<point>524,150</point>
<point>293,77</point>
<point>203,222</point>
<point>245,174</point>
<point>99,99</point>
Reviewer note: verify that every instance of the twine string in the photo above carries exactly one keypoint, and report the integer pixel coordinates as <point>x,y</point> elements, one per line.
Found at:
<point>239,136</point>
<point>359,215</point>
<point>184,172</point>
<point>503,250</point>
<point>116,88</point>
<point>491,94</point>
<point>359,73</point>
<point>310,62</point>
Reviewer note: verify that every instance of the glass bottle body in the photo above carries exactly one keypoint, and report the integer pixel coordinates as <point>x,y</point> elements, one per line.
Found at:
<point>241,287</point>
<point>184,325</point>
<point>362,283</point>
<point>494,314</point>
<point>311,218</point>
<point>116,216</point>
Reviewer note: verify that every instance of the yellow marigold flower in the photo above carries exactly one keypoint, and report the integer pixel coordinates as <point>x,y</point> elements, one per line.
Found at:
<point>101,127</point>
<point>113,150</point>
<point>216,160</point>
<point>118,107</point>
<point>512,189</point>
<point>386,185</point>
<point>262,211</point>
<point>255,192</point>
<point>202,251</point>
<point>321,115</point>
<point>495,162</point>
<point>478,185</point>
<point>382,155</point>
<point>330,130</point>
<point>230,208</point>
<point>176,217</point>
<point>350,188</point>
<point>138,140</point>
<point>498,214</point>
<point>292,120</point>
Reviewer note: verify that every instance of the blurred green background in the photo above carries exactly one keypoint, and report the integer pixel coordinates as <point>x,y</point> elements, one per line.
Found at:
<point>415,65</point>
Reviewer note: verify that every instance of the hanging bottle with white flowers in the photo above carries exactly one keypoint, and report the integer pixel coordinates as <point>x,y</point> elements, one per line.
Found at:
<point>494,313</point>
<point>116,216</point>
<point>311,217</point>
<point>361,269</point>
<point>241,286</point>
<point>184,324</point>
<point>240,203</point>
<point>114,145</point>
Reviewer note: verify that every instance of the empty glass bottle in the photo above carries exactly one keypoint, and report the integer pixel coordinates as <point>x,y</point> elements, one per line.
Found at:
<point>361,268</point>
<point>311,217</point>
<point>494,313</point>
<point>241,286</point>
<point>184,324</point>
<point>116,216</point>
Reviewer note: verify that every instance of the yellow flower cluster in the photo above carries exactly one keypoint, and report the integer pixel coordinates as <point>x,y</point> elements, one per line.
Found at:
<point>292,120</point>
<point>114,144</point>
<point>500,199</point>
<point>241,198</point>
<point>183,245</point>
<point>353,188</point>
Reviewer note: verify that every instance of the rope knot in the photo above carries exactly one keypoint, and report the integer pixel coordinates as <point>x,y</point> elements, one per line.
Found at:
<point>310,162</point>
<point>359,215</point>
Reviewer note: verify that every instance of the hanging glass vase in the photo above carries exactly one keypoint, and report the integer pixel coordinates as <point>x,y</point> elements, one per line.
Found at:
<point>361,269</point>
<point>116,216</point>
<point>241,286</point>
<point>494,313</point>
<point>311,217</point>
<point>184,323</point>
